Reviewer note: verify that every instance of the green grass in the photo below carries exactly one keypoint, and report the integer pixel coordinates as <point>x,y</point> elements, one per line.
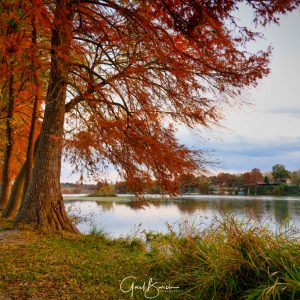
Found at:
<point>230,261</point>
<point>52,267</point>
<point>227,261</point>
<point>103,194</point>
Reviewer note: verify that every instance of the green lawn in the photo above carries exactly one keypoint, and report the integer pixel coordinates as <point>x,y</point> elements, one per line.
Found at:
<point>86,267</point>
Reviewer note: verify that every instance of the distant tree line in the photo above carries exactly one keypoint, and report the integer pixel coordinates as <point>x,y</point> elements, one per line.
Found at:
<point>279,181</point>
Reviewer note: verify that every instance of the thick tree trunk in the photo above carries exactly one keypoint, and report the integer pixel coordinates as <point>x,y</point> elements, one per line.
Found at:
<point>9,145</point>
<point>43,205</point>
<point>18,189</point>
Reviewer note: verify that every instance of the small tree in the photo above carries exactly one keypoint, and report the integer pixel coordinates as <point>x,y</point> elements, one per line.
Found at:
<point>257,176</point>
<point>266,180</point>
<point>295,177</point>
<point>280,174</point>
<point>225,179</point>
<point>104,189</point>
<point>202,184</point>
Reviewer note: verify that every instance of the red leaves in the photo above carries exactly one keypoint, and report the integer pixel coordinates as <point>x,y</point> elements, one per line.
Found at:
<point>140,149</point>
<point>21,62</point>
<point>252,178</point>
<point>136,66</point>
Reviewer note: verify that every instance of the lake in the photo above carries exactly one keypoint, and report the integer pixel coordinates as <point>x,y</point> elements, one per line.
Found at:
<point>131,217</point>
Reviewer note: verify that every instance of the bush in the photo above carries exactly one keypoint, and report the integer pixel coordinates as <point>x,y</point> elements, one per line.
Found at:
<point>106,190</point>
<point>275,190</point>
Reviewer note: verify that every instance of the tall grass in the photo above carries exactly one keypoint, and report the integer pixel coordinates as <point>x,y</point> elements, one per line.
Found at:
<point>98,233</point>
<point>231,260</point>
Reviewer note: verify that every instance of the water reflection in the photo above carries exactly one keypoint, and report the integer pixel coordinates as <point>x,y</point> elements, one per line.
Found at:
<point>119,218</point>
<point>105,206</point>
<point>281,212</point>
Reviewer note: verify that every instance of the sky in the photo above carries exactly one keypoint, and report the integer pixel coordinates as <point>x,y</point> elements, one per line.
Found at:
<point>265,132</point>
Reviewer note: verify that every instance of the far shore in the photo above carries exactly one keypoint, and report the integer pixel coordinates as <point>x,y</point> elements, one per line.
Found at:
<point>71,197</point>
<point>131,197</point>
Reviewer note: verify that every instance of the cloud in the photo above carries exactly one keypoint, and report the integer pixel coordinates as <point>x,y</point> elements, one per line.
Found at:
<point>242,153</point>
<point>247,147</point>
<point>245,154</point>
<point>295,112</point>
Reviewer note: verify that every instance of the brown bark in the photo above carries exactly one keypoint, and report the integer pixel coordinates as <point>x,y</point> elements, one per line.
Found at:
<point>43,204</point>
<point>9,145</point>
<point>16,194</point>
<point>34,116</point>
<point>18,190</point>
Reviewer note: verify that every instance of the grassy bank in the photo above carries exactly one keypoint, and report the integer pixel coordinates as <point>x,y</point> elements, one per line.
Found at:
<point>228,261</point>
<point>54,267</point>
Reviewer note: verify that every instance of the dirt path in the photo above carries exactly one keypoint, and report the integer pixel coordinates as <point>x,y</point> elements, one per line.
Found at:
<point>3,296</point>
<point>9,235</point>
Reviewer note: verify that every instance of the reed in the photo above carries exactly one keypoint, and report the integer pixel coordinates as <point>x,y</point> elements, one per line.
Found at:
<point>230,260</point>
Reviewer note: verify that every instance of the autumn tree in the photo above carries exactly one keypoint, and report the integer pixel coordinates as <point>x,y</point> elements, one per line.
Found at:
<point>121,187</point>
<point>8,68</point>
<point>127,71</point>
<point>15,91</point>
<point>225,179</point>
<point>186,182</point>
<point>18,42</point>
<point>252,178</point>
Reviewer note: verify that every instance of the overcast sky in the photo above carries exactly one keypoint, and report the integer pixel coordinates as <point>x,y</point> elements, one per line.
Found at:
<point>268,131</point>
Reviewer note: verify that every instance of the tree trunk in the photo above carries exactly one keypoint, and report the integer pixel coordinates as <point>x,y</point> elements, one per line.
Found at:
<point>22,180</point>
<point>43,205</point>
<point>9,145</point>
<point>18,188</point>
<point>31,148</point>
<point>16,194</point>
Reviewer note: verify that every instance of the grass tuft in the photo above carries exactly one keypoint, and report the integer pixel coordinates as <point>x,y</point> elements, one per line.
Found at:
<point>233,260</point>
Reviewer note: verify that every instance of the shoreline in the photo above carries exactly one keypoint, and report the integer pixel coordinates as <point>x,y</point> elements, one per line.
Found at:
<point>98,199</point>
<point>93,265</point>
<point>130,198</point>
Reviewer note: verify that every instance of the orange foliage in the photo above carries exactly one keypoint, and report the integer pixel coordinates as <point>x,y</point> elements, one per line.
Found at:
<point>252,178</point>
<point>17,56</point>
<point>225,179</point>
<point>136,68</point>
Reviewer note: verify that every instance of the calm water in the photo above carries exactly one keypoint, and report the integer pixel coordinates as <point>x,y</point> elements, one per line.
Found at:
<point>125,218</point>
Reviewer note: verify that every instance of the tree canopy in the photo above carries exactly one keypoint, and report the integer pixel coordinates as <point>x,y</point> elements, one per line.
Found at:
<point>279,172</point>
<point>124,72</point>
